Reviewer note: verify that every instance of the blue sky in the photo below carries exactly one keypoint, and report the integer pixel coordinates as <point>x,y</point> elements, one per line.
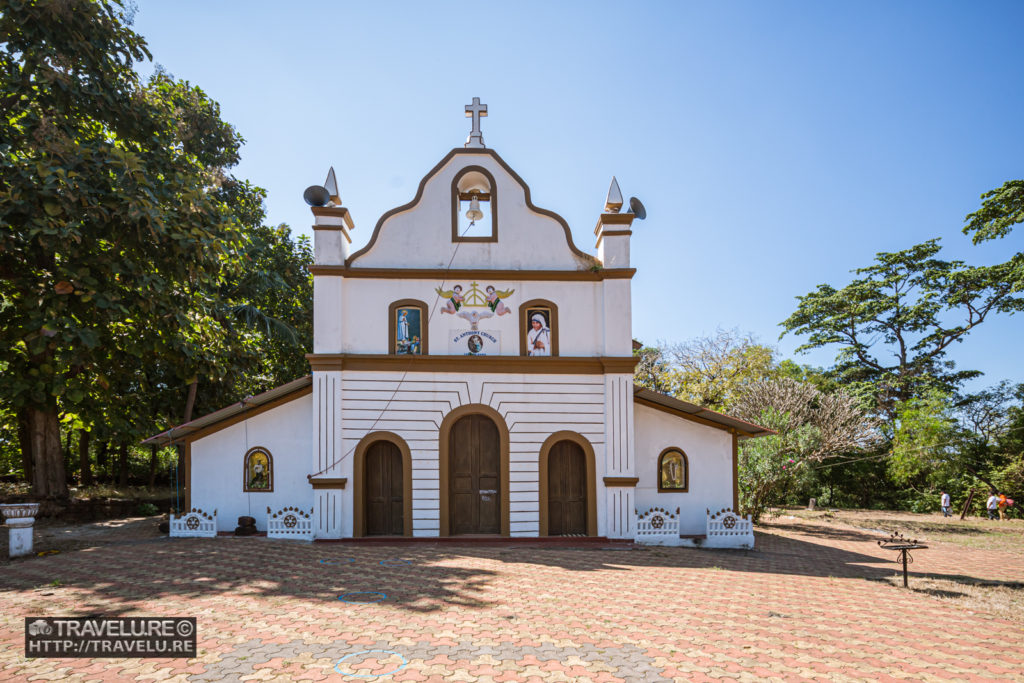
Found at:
<point>776,145</point>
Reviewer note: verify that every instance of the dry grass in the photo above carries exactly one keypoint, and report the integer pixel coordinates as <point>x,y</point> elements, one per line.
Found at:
<point>972,532</point>
<point>1004,599</point>
<point>999,599</point>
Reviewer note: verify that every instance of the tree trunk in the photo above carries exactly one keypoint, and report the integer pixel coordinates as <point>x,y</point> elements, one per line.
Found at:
<point>122,464</point>
<point>25,441</point>
<point>152,465</point>
<point>49,479</point>
<point>190,402</point>
<point>84,463</point>
<point>101,460</point>
<point>68,462</point>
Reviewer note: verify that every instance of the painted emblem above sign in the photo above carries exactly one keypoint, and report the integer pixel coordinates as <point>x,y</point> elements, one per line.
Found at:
<point>475,304</point>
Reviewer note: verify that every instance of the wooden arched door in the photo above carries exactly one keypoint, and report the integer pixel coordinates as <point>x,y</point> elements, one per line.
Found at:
<point>474,476</point>
<point>567,490</point>
<point>383,492</point>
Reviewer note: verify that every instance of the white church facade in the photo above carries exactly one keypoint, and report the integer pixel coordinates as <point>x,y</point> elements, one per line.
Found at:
<point>470,376</point>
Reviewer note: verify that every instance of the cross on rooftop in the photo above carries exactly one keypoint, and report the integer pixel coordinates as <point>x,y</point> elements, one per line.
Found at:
<point>475,111</point>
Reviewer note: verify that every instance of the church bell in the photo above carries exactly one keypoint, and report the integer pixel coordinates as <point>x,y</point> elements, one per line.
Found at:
<point>474,213</point>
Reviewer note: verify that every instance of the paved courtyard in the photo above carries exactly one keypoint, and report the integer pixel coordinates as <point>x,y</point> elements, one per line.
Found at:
<point>811,603</point>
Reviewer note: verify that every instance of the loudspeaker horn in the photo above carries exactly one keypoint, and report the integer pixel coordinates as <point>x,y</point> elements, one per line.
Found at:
<point>316,195</point>
<point>637,207</point>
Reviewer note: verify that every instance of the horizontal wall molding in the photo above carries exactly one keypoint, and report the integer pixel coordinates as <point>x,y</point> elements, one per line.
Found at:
<point>546,365</point>
<point>621,481</point>
<point>337,483</point>
<point>472,274</point>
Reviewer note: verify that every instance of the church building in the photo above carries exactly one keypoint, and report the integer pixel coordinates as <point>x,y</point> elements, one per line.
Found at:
<point>471,374</point>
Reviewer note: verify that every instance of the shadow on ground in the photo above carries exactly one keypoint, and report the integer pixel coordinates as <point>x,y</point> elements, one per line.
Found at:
<point>416,577</point>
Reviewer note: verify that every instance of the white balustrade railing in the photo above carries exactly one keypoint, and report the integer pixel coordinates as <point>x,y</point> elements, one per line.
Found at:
<point>728,529</point>
<point>657,526</point>
<point>290,522</point>
<point>194,524</point>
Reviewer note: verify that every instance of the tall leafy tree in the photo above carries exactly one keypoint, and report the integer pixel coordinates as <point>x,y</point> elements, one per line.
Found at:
<point>810,427</point>
<point>1001,209</point>
<point>712,371</point>
<point>652,369</point>
<point>895,324</point>
<point>114,232</point>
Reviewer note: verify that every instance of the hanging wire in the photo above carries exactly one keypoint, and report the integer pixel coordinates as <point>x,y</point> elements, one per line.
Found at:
<point>405,372</point>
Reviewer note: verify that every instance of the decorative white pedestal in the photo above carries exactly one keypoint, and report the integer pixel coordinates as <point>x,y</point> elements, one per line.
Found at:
<point>20,517</point>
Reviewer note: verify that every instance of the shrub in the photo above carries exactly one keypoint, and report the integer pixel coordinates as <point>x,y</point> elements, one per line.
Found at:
<point>147,509</point>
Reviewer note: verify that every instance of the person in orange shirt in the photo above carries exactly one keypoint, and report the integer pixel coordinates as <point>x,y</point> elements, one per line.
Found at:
<point>1002,507</point>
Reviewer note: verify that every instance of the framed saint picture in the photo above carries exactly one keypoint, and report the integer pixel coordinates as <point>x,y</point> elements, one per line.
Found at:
<point>539,333</point>
<point>673,471</point>
<point>407,327</point>
<point>258,471</point>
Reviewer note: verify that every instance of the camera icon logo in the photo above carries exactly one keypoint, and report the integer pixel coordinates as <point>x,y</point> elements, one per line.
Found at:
<point>39,627</point>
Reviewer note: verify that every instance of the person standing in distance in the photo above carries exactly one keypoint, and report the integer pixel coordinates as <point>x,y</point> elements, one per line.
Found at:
<point>992,504</point>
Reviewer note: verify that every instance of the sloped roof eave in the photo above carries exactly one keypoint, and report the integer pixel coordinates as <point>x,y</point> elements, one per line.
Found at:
<point>684,409</point>
<point>182,431</point>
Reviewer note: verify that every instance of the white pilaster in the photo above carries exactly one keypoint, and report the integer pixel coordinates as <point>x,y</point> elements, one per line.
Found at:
<point>621,512</point>
<point>613,233</point>
<point>620,460</point>
<point>332,506</point>
<point>620,456</point>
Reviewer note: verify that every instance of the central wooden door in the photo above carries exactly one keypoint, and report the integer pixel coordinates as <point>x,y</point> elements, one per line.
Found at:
<point>474,477</point>
<point>567,490</point>
<point>383,492</point>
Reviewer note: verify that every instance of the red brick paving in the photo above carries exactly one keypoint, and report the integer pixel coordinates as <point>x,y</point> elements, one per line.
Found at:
<point>806,605</point>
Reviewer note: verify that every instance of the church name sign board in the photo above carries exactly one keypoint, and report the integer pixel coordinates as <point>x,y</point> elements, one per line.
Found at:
<point>475,343</point>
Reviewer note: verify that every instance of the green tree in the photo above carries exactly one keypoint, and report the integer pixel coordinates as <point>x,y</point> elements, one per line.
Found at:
<point>1001,209</point>
<point>924,441</point>
<point>272,298</point>
<point>894,325</point>
<point>712,371</point>
<point>114,231</point>
<point>652,369</point>
<point>810,427</point>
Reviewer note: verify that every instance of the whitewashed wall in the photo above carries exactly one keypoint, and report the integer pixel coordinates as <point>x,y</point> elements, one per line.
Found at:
<point>709,452</point>
<point>217,464</point>
<point>365,311</point>
<point>533,406</point>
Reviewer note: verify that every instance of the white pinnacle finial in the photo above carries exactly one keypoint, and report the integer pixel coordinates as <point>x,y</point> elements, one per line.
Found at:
<point>475,111</point>
<point>613,202</point>
<point>331,185</point>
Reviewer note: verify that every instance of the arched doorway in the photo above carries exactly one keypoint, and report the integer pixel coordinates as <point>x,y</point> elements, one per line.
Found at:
<point>567,490</point>
<point>474,476</point>
<point>568,486</point>
<point>384,490</point>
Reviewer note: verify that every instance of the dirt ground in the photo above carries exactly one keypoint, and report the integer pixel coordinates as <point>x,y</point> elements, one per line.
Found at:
<point>973,532</point>
<point>56,536</point>
<point>946,535</point>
